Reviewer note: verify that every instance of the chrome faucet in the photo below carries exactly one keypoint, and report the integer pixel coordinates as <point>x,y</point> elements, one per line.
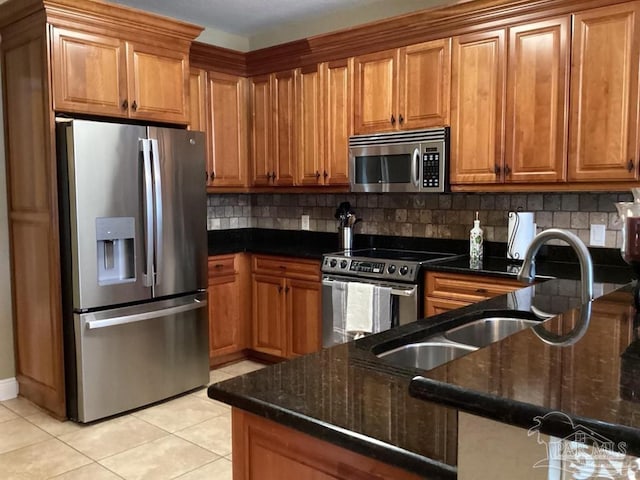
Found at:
<point>528,270</point>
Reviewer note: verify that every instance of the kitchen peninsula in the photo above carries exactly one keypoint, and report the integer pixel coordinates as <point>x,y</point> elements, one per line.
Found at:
<point>346,398</point>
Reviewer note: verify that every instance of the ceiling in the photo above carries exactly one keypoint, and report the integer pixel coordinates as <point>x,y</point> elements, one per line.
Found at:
<point>265,19</point>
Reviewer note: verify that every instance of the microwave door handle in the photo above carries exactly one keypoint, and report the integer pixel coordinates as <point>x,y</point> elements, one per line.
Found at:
<point>415,167</point>
<point>147,277</point>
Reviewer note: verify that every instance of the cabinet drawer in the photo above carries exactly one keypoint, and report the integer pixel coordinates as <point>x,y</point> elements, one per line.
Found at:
<point>286,267</point>
<point>467,288</point>
<point>221,265</point>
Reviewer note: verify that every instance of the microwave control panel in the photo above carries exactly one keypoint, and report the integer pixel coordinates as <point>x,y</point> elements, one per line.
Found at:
<point>431,167</point>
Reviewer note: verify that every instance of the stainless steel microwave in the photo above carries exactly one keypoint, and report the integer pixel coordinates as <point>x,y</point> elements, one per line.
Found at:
<point>410,161</point>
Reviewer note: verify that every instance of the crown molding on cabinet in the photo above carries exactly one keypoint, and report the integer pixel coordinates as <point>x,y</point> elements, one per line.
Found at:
<point>224,60</point>
<point>461,18</point>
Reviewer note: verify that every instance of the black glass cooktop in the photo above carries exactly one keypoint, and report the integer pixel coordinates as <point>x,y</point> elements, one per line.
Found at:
<point>406,255</point>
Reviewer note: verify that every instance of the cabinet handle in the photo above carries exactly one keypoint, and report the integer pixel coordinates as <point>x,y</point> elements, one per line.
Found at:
<point>317,175</point>
<point>325,174</point>
<point>286,290</point>
<point>213,176</point>
<point>125,104</point>
<point>274,176</point>
<point>630,165</point>
<point>134,106</point>
<point>268,176</point>
<point>507,170</point>
<point>481,290</point>
<point>218,265</point>
<point>206,176</point>
<point>279,288</point>
<point>282,267</point>
<point>496,169</point>
<point>401,119</point>
<point>393,120</point>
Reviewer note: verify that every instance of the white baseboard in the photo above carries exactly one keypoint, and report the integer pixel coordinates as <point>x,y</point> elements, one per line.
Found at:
<point>8,388</point>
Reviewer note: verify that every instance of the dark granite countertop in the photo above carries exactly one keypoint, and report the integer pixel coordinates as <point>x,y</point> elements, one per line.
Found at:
<point>348,396</point>
<point>594,378</point>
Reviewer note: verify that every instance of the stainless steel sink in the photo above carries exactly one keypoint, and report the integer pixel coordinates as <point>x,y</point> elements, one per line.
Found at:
<point>425,355</point>
<point>485,331</point>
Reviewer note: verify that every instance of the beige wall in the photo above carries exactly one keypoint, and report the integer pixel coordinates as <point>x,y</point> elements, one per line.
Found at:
<point>7,366</point>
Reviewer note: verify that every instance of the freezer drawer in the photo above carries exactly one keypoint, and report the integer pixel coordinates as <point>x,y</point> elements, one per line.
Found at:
<point>130,357</point>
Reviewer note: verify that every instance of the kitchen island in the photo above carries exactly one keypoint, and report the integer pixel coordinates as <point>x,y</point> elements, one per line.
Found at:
<point>349,398</point>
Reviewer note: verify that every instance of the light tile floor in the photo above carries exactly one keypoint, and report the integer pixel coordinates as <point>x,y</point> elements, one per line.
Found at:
<point>188,438</point>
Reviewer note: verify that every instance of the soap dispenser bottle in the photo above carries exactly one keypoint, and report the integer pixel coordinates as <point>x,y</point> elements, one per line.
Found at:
<point>475,244</point>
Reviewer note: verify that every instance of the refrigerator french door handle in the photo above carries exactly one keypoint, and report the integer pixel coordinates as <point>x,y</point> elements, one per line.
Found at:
<point>139,317</point>
<point>148,212</point>
<point>157,191</point>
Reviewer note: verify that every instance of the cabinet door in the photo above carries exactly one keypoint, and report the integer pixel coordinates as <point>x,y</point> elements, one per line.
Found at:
<point>260,93</point>
<point>376,85</point>
<point>604,94</point>
<point>304,312</point>
<point>477,94</point>
<point>309,126</point>
<point>158,81</point>
<point>268,328</point>
<point>337,79</point>
<point>89,73</point>
<point>224,315</point>
<point>284,122</point>
<point>227,115</point>
<point>537,95</point>
<point>436,306</point>
<point>425,71</point>
<point>197,100</point>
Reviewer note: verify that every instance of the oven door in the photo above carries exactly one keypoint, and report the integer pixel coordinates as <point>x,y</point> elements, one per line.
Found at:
<point>404,306</point>
<point>385,168</point>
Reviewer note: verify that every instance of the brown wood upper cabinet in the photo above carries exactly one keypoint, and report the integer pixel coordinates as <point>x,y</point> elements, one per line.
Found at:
<point>604,94</point>
<point>323,123</point>
<point>404,88</point>
<point>99,74</point>
<point>510,127</point>
<point>272,128</point>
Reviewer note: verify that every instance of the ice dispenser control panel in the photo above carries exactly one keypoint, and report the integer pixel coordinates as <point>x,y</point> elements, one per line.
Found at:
<point>115,238</point>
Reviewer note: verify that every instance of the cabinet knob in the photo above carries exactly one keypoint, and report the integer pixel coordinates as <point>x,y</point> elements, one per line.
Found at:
<point>218,265</point>
<point>125,104</point>
<point>393,120</point>
<point>481,290</point>
<point>134,106</point>
<point>206,176</point>
<point>630,165</point>
<point>317,174</point>
<point>401,119</point>
<point>279,288</point>
<point>268,176</point>
<point>273,176</point>
<point>507,170</point>
<point>325,174</point>
<point>496,169</point>
<point>213,176</point>
<point>286,290</point>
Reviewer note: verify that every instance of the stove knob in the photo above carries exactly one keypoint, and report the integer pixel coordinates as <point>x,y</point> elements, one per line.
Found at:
<point>333,263</point>
<point>403,270</point>
<point>343,264</point>
<point>391,269</point>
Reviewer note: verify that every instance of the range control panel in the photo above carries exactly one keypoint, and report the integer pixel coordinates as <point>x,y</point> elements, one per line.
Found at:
<point>405,271</point>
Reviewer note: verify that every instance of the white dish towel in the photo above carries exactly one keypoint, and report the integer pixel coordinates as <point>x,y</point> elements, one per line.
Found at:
<point>359,316</point>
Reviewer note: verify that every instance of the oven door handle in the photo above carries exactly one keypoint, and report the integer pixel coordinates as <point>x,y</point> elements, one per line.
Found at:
<point>408,291</point>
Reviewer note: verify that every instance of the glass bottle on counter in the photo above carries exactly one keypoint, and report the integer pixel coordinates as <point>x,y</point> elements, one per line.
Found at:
<point>476,238</point>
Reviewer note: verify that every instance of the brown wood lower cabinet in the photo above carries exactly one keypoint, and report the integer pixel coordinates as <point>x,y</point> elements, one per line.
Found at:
<point>228,290</point>
<point>265,450</point>
<point>448,291</point>
<point>286,306</point>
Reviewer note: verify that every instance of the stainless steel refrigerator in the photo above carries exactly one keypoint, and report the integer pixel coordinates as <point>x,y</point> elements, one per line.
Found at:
<point>134,254</point>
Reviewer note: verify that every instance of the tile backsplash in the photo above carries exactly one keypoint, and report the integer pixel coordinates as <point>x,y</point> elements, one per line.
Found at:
<point>420,215</point>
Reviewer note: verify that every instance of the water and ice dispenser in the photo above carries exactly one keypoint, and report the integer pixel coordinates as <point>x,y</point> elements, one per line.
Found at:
<point>116,242</point>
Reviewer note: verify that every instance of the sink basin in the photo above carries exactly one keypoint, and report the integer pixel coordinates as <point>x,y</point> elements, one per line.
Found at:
<point>425,355</point>
<point>484,331</point>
